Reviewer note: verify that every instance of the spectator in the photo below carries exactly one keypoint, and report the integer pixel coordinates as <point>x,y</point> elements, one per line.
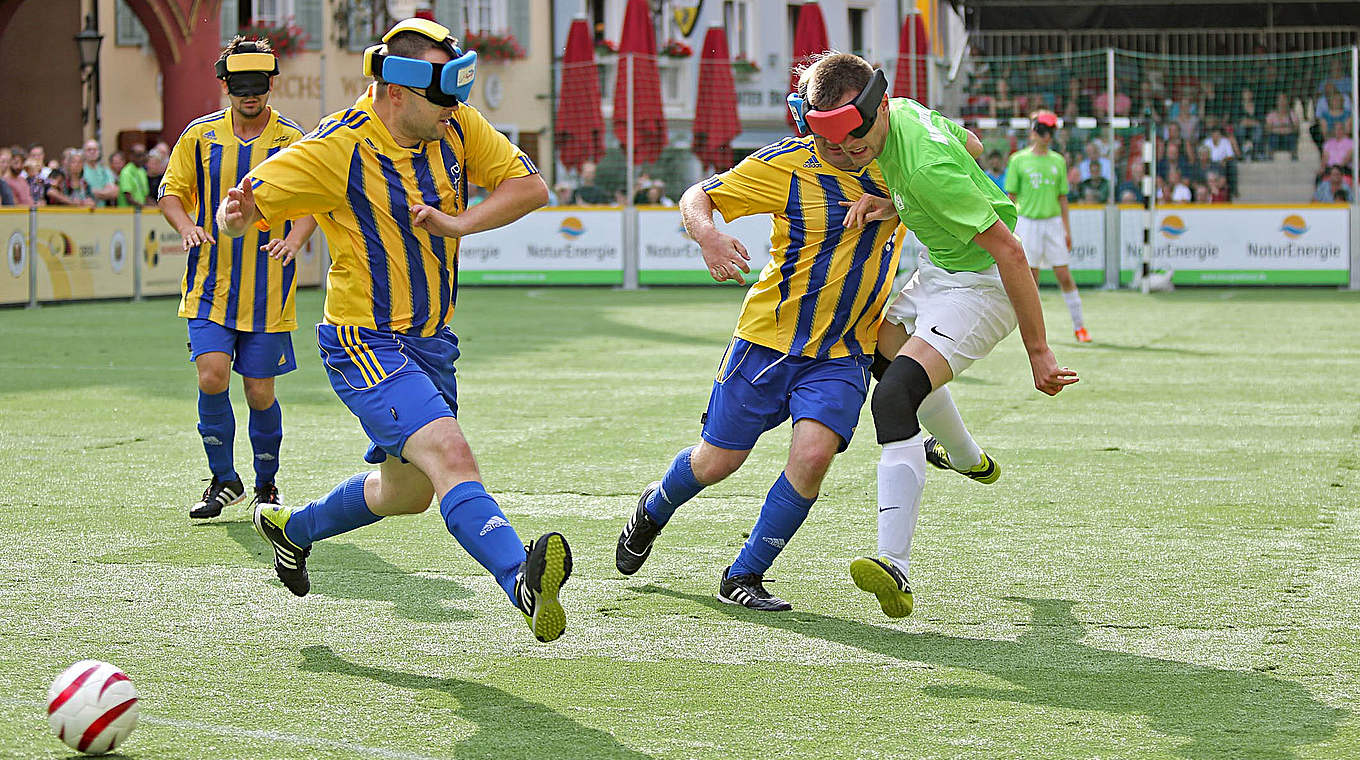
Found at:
<point>1173,158</point>
<point>157,161</point>
<point>1332,109</point>
<point>1336,77</point>
<point>1282,127</point>
<point>133,186</point>
<point>1339,148</point>
<point>1177,188</point>
<point>1131,189</point>
<point>1333,184</point>
<point>1121,104</point>
<point>14,178</point>
<point>1073,177</point>
<point>1096,165</point>
<point>38,155</point>
<point>561,194</point>
<point>66,185</point>
<point>1218,188</point>
<point>1202,193</point>
<point>33,175</point>
<point>1249,118</point>
<point>6,194</point>
<point>996,169</point>
<point>1185,113</point>
<point>101,180</point>
<point>656,195</point>
<point>587,193</point>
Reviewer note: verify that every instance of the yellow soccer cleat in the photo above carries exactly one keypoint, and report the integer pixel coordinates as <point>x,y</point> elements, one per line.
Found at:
<point>987,471</point>
<point>882,579</point>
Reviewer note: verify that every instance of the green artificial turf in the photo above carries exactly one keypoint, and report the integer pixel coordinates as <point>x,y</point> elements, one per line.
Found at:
<point>1168,567</point>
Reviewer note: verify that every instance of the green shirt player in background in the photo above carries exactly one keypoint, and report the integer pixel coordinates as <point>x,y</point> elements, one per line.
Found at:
<point>1036,179</point>
<point>971,287</point>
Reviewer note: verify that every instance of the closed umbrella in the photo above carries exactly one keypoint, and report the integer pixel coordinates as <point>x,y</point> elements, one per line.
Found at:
<point>906,82</point>
<point>809,39</point>
<point>637,44</point>
<point>716,122</point>
<point>579,132</point>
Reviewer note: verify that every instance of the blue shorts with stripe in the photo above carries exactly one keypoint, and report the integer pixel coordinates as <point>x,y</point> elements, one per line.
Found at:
<point>253,354</point>
<point>757,388</point>
<point>395,384</point>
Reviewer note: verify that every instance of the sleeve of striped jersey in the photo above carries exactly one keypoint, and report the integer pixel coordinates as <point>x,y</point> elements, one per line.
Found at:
<point>751,187</point>
<point>180,175</point>
<point>489,157</point>
<point>301,180</point>
<point>951,199</point>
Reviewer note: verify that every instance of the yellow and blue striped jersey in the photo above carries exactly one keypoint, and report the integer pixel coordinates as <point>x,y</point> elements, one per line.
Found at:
<point>386,274</point>
<point>230,282</point>
<point>823,292</point>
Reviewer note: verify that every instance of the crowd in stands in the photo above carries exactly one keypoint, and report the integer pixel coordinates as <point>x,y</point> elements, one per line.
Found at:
<point>80,177</point>
<point>1207,125</point>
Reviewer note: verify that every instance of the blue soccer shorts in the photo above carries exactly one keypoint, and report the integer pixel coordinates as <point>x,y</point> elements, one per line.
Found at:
<point>757,388</point>
<point>395,384</point>
<point>253,354</point>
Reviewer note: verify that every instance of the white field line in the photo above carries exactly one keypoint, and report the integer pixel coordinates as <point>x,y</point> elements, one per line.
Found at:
<point>251,733</point>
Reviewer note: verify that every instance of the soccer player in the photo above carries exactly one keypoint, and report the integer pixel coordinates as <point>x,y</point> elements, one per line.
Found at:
<point>801,349</point>
<point>970,289</point>
<point>237,296</point>
<point>388,180</point>
<point>1036,180</point>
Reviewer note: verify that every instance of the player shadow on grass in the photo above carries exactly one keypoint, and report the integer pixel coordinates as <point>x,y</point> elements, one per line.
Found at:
<point>344,571</point>
<point>1222,713</point>
<point>507,726</point>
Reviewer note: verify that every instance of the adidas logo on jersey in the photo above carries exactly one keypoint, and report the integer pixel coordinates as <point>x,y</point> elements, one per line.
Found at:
<point>495,522</point>
<point>777,543</point>
<point>812,163</point>
<point>210,134</point>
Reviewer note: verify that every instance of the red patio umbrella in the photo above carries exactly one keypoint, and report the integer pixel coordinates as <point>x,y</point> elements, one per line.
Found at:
<point>579,134</point>
<point>715,113</point>
<point>809,39</point>
<point>902,79</point>
<point>637,44</point>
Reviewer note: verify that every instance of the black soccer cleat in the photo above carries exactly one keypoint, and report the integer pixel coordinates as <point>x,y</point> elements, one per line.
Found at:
<point>748,590</point>
<point>546,567</point>
<point>266,494</point>
<point>635,542</point>
<point>290,560</point>
<point>217,496</point>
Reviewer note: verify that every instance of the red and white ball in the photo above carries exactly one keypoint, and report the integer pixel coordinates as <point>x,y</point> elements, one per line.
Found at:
<point>92,706</point>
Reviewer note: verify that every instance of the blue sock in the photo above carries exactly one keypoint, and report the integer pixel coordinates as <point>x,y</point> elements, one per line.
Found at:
<point>677,487</point>
<point>266,433</point>
<point>476,520</point>
<point>217,426</point>
<point>784,510</point>
<point>340,511</point>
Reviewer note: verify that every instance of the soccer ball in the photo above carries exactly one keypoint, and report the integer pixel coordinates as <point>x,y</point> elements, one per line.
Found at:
<point>92,706</point>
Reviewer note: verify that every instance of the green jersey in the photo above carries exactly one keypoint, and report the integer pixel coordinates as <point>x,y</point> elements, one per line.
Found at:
<point>940,192</point>
<point>1037,180</point>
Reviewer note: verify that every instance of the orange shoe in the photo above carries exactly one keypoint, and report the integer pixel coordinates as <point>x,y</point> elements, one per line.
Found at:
<point>1082,335</point>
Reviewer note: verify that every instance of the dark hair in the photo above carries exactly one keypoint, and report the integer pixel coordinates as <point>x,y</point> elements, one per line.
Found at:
<point>410,45</point>
<point>995,153</point>
<point>831,76</point>
<point>241,44</point>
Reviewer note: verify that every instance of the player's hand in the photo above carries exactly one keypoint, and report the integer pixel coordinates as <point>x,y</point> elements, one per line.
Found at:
<point>726,257</point>
<point>240,200</point>
<point>868,208</point>
<point>279,248</point>
<point>1048,376</point>
<point>434,221</point>
<point>196,236</point>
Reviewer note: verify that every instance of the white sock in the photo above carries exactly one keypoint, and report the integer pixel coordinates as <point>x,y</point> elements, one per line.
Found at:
<point>901,478</point>
<point>939,415</point>
<point>1073,299</point>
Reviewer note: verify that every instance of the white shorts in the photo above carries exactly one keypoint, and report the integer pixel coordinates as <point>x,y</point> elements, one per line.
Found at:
<point>1044,241</point>
<point>963,315</point>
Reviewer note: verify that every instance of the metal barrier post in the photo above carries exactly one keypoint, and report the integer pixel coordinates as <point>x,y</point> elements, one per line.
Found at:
<point>138,235</point>
<point>33,257</point>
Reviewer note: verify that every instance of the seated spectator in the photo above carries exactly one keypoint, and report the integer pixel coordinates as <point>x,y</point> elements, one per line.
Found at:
<point>1218,188</point>
<point>587,193</point>
<point>1202,193</point>
<point>101,180</point>
<point>1249,119</point>
<point>1339,148</point>
<point>995,169</point>
<point>1332,186</point>
<point>1102,104</point>
<point>1333,109</point>
<point>1174,159</point>
<point>1185,112</point>
<point>1131,189</point>
<point>1177,188</point>
<point>1282,127</point>
<point>14,178</point>
<point>1095,189</point>
<point>656,195</point>
<point>1095,165</point>
<point>1073,176</point>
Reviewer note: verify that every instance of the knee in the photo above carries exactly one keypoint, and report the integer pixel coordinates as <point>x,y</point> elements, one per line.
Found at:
<point>408,499</point>
<point>213,380</point>
<point>897,399</point>
<point>711,464</point>
<point>259,396</point>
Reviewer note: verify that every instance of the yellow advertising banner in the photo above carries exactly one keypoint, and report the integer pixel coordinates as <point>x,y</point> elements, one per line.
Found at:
<point>84,253</point>
<point>14,277</point>
<point>164,259</point>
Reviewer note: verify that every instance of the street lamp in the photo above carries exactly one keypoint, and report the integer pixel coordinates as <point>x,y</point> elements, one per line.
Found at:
<point>87,43</point>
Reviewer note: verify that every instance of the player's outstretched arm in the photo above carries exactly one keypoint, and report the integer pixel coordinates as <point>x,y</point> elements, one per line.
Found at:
<point>512,199</point>
<point>1024,297</point>
<point>724,255</point>
<point>238,211</point>
<point>173,210</point>
<point>285,249</point>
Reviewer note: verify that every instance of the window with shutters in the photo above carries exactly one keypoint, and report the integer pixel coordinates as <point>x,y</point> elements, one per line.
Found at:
<point>272,12</point>
<point>485,16</point>
<point>130,31</point>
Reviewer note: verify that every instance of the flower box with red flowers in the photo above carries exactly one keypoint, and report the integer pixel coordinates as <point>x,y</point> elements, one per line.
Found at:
<point>493,47</point>
<point>677,49</point>
<point>285,38</point>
